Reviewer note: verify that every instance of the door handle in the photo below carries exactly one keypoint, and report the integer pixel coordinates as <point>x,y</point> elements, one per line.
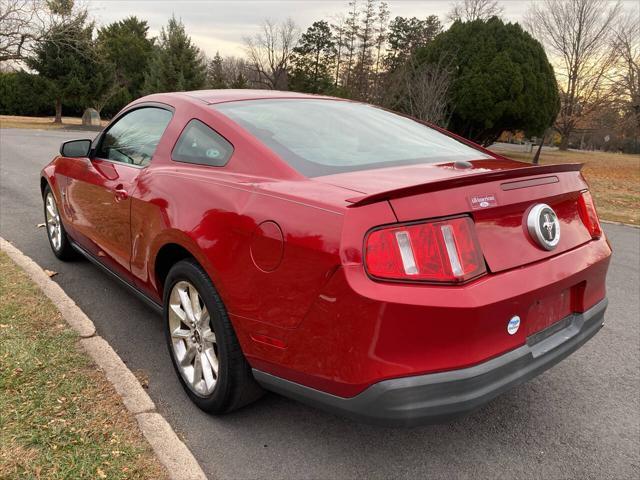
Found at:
<point>120,193</point>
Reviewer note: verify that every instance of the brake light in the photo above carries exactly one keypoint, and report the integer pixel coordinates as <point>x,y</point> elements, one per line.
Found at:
<point>443,251</point>
<point>588,214</point>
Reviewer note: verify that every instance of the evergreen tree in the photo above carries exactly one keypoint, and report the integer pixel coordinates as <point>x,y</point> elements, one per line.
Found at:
<point>351,29</point>
<point>381,34</point>
<point>406,35</point>
<point>126,47</point>
<point>366,42</point>
<point>313,58</point>
<point>339,34</point>
<point>240,81</point>
<point>501,79</point>
<point>215,73</point>
<point>177,64</point>
<point>66,58</point>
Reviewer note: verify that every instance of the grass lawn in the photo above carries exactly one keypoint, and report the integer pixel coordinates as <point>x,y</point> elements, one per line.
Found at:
<point>59,416</point>
<point>614,180</point>
<point>40,123</point>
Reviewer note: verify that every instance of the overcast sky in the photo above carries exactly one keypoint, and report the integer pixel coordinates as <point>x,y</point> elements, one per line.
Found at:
<point>221,25</point>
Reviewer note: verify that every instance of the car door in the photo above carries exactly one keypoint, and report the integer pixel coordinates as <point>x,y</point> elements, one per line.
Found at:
<point>99,196</point>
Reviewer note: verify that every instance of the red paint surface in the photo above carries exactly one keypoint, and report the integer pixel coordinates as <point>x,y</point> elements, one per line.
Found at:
<point>303,307</point>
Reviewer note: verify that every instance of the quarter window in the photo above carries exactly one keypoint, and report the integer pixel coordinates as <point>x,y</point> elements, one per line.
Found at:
<point>134,137</point>
<point>200,145</point>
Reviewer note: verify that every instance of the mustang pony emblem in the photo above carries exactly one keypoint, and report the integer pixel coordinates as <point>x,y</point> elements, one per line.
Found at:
<point>543,226</point>
<point>548,226</point>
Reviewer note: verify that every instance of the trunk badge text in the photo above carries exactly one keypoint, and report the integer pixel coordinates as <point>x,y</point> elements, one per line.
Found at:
<point>483,201</point>
<point>543,226</point>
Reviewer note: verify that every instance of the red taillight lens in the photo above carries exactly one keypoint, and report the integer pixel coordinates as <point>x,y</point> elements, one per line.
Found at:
<point>443,251</point>
<point>588,214</point>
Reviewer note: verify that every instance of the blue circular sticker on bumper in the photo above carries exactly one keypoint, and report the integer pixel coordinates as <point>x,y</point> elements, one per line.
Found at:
<point>513,325</point>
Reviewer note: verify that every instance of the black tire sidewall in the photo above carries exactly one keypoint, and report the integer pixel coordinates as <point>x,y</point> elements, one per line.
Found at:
<point>186,270</point>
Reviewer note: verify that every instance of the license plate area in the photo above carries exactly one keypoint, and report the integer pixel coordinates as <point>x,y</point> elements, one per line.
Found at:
<point>545,312</point>
<point>547,332</point>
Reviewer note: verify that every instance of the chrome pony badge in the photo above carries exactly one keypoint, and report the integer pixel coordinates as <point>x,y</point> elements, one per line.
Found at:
<point>543,226</point>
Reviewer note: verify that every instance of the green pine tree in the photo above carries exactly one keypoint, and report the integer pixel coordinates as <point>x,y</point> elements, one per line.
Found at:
<point>66,58</point>
<point>215,73</point>
<point>177,64</point>
<point>125,45</point>
<point>501,80</point>
<point>312,60</point>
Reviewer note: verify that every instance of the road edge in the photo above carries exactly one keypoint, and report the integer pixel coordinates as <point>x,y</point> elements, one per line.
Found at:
<point>611,222</point>
<point>171,452</point>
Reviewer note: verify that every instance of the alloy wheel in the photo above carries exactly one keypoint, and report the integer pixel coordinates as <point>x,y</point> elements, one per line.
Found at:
<point>193,340</point>
<point>53,222</point>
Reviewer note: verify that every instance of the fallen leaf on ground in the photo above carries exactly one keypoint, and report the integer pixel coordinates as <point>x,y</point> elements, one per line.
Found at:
<point>142,377</point>
<point>40,225</point>
<point>51,273</point>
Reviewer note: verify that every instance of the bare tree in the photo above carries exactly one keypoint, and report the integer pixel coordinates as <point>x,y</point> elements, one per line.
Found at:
<point>235,71</point>
<point>421,90</point>
<point>578,35</point>
<point>269,53</point>
<point>24,23</point>
<point>470,10</point>
<point>625,75</point>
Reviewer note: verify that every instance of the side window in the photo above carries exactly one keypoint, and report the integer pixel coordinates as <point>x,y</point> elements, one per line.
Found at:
<point>199,144</point>
<point>133,139</point>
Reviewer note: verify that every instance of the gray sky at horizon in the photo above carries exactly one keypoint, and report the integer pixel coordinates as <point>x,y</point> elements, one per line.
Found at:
<point>220,25</point>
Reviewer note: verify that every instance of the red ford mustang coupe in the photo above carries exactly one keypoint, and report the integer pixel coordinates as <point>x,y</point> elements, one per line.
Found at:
<point>332,251</point>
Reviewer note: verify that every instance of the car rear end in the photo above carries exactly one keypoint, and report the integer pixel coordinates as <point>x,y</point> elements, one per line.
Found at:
<point>473,303</point>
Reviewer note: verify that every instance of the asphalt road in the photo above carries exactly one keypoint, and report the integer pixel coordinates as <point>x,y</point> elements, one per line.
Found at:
<point>581,419</point>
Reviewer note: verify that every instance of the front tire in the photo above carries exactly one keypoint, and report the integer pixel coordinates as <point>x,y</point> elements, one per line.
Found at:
<point>202,343</point>
<point>58,239</point>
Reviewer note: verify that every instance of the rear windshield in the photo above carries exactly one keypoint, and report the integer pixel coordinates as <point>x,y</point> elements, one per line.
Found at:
<point>323,137</point>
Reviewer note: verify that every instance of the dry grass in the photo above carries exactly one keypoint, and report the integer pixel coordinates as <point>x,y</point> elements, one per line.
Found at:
<point>40,123</point>
<point>59,416</point>
<point>614,180</point>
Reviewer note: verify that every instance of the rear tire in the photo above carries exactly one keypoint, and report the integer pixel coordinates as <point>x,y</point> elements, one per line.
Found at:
<point>203,346</point>
<point>57,235</point>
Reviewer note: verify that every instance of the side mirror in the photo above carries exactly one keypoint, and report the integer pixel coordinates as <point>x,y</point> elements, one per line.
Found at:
<point>76,148</point>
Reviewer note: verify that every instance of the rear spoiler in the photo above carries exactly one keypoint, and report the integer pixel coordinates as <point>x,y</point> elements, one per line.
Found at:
<point>461,181</point>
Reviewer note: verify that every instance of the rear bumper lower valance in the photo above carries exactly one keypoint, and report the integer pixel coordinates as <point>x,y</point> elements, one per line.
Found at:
<point>440,396</point>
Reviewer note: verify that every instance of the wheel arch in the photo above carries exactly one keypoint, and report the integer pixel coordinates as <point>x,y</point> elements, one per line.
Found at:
<point>168,255</point>
<point>171,251</point>
<point>43,184</point>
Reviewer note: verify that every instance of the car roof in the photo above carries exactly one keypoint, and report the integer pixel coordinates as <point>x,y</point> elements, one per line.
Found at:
<point>233,95</point>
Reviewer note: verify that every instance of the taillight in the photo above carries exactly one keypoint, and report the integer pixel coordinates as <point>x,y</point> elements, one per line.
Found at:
<point>588,214</point>
<point>441,251</point>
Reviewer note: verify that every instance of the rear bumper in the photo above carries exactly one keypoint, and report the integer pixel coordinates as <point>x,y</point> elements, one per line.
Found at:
<point>440,396</point>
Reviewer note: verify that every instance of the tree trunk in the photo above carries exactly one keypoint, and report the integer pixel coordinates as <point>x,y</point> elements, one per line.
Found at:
<point>58,111</point>
<point>536,157</point>
<point>564,143</point>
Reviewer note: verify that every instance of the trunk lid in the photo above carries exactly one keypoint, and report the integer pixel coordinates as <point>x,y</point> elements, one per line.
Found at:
<point>497,193</point>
